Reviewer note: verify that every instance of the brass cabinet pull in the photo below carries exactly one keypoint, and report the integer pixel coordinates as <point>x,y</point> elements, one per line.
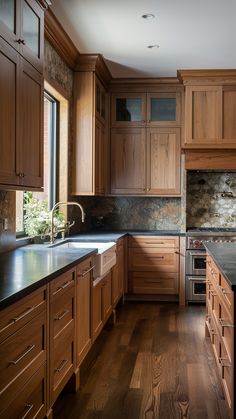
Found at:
<point>149,281</point>
<point>154,257</point>
<point>62,287</point>
<point>154,243</point>
<point>21,316</point>
<point>213,272</point>
<point>223,324</point>
<point>62,315</point>
<point>224,362</point>
<point>28,350</point>
<point>29,407</point>
<point>88,270</point>
<point>224,291</point>
<point>61,366</point>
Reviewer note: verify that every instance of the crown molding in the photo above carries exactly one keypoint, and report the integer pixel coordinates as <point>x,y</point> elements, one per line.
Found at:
<point>58,38</point>
<point>96,63</point>
<point>219,76</point>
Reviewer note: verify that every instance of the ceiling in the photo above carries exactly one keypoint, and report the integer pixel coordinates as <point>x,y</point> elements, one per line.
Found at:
<point>192,34</point>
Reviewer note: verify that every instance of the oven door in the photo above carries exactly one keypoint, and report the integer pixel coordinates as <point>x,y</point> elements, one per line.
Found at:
<point>196,288</point>
<point>196,262</point>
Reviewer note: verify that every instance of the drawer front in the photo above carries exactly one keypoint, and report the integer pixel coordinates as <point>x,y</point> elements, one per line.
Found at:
<point>20,313</point>
<point>31,400</point>
<point>226,328</point>
<point>61,361</point>
<point>227,295</point>
<point>152,283</point>
<point>212,271</point>
<point>152,259</point>
<point>150,241</point>
<point>25,348</point>
<point>61,284</point>
<point>84,267</point>
<point>227,376</point>
<point>62,311</point>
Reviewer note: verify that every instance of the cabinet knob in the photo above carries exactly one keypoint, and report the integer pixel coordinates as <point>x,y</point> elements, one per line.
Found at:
<point>20,41</point>
<point>21,175</point>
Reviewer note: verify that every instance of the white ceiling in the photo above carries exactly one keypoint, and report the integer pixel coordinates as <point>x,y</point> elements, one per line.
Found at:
<point>191,33</point>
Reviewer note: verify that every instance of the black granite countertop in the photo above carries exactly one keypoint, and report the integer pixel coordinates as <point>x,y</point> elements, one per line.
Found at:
<point>27,268</point>
<point>224,255</point>
<point>117,234</point>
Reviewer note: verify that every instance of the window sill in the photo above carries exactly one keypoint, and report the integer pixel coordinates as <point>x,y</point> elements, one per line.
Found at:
<point>23,241</point>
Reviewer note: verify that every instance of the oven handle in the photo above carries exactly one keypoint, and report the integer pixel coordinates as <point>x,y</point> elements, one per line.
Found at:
<point>198,253</point>
<point>196,279</point>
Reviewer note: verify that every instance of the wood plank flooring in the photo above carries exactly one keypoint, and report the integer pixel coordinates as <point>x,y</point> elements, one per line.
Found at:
<point>154,363</point>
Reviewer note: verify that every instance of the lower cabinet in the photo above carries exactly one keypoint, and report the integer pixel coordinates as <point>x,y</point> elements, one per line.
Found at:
<point>153,265</point>
<point>23,346</point>
<point>117,274</point>
<point>101,303</point>
<point>220,326</point>
<point>62,332</point>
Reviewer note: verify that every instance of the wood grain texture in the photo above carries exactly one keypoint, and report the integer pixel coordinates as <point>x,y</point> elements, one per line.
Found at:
<point>155,363</point>
<point>210,160</point>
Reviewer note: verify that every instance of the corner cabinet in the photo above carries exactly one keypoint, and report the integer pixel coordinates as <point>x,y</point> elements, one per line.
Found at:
<point>91,126</point>
<point>210,105</point>
<point>145,143</point>
<point>21,99</point>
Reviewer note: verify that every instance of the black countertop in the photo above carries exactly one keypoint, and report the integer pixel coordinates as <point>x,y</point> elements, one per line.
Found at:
<point>27,268</point>
<point>224,255</point>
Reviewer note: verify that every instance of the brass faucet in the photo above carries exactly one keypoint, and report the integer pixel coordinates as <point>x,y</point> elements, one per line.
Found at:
<point>52,237</point>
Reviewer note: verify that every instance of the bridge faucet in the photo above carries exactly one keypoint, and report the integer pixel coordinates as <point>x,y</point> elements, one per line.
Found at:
<point>52,238</point>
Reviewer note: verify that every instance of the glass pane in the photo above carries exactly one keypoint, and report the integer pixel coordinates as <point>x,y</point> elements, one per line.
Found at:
<point>7,13</point>
<point>163,109</point>
<point>31,29</point>
<point>199,288</point>
<point>98,98</point>
<point>129,109</point>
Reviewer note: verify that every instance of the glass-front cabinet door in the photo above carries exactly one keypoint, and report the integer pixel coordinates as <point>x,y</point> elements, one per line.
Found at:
<point>32,33</point>
<point>10,21</point>
<point>129,109</point>
<point>163,108</point>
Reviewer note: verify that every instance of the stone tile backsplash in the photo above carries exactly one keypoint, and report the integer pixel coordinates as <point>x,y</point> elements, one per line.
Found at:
<point>211,199</point>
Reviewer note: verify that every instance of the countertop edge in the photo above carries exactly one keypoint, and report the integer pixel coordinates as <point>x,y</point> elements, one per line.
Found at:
<point>219,266</point>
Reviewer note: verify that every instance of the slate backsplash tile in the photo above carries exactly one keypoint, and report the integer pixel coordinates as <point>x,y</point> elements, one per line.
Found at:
<point>133,213</point>
<point>211,199</point>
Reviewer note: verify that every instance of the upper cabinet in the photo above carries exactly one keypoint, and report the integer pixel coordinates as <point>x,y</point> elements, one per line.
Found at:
<point>91,101</point>
<point>210,106</point>
<point>22,26</point>
<point>146,109</point>
<point>21,99</point>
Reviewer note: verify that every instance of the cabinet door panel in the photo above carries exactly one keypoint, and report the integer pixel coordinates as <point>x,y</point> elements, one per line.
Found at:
<point>229,112</point>
<point>31,116</point>
<point>10,21</point>
<point>96,310</point>
<point>83,310</point>
<point>163,108</point>
<point>100,158</point>
<point>9,82</point>
<point>106,297</point>
<point>203,115</point>
<point>164,158</point>
<point>128,161</point>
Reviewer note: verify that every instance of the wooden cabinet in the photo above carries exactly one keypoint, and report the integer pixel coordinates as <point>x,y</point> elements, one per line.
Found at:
<point>153,265</point>
<point>83,310</point>
<point>91,126</point>
<point>62,332</point>
<point>210,103</point>
<point>101,303</point>
<point>22,26</point>
<point>117,274</point>
<point>145,162</point>
<point>220,326</point>
<point>21,103</point>
<point>23,337</point>
<point>146,109</point>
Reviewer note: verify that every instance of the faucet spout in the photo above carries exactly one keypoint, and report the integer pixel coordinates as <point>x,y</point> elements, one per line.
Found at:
<point>52,238</point>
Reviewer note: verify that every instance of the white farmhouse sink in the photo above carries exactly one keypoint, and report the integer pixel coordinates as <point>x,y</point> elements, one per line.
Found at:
<point>105,257</point>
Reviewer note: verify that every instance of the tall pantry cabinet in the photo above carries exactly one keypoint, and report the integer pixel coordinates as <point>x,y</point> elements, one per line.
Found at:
<point>21,99</point>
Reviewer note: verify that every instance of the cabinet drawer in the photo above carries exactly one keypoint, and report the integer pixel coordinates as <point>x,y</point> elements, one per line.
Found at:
<point>62,311</point>
<point>18,314</point>
<point>145,241</point>
<point>151,259</point>
<point>84,267</point>
<point>153,283</point>
<point>227,295</point>
<point>31,401</point>
<point>61,284</point>
<point>226,375</point>
<point>61,360</point>
<point>212,271</point>
<point>226,328</point>
<point>25,348</point>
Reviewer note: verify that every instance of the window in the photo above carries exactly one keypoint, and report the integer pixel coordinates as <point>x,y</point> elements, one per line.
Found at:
<point>50,193</point>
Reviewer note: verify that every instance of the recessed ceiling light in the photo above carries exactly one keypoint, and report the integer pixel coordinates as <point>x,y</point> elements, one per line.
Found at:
<point>153,46</point>
<point>148,16</point>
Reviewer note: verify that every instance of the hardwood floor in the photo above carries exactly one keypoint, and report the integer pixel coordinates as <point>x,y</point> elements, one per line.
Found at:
<point>155,363</point>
